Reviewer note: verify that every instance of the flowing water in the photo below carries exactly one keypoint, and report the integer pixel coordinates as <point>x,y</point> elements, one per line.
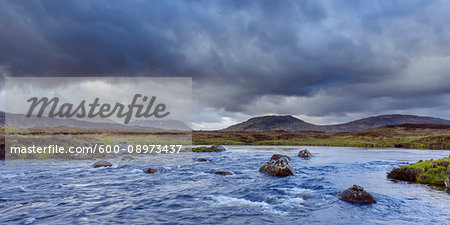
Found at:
<point>52,192</point>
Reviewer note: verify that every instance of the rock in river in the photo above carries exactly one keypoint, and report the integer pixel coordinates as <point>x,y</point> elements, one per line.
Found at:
<point>101,164</point>
<point>218,148</point>
<point>277,167</point>
<point>277,156</point>
<point>304,154</point>
<point>202,160</point>
<point>223,173</point>
<point>154,170</point>
<point>357,194</point>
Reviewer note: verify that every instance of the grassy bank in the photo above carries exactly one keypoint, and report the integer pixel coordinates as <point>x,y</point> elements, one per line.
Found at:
<point>432,172</point>
<point>400,136</point>
<point>91,143</point>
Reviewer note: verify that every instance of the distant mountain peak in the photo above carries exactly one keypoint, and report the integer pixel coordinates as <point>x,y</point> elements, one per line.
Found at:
<point>276,117</point>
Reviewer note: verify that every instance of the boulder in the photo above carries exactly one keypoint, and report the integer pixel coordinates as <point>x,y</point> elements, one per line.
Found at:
<point>278,167</point>
<point>304,154</point>
<point>277,156</point>
<point>217,148</point>
<point>101,164</point>
<point>154,170</point>
<point>447,183</point>
<point>405,173</point>
<point>202,160</point>
<point>223,173</point>
<point>358,195</point>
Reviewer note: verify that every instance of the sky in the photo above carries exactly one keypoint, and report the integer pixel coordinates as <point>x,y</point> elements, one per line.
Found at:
<point>323,61</point>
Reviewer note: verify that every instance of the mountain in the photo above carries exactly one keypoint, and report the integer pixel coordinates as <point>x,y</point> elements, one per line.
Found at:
<point>19,120</point>
<point>384,120</point>
<point>268,123</point>
<point>292,124</point>
<point>162,124</point>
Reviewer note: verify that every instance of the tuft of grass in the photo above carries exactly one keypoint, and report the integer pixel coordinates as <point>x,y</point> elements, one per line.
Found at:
<point>204,149</point>
<point>433,176</point>
<point>201,149</point>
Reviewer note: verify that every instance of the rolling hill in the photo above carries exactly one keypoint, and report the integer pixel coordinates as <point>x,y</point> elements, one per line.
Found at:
<point>292,124</point>
<point>19,120</point>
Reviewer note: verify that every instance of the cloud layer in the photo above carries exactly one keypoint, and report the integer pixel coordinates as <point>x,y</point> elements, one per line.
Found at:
<point>324,61</point>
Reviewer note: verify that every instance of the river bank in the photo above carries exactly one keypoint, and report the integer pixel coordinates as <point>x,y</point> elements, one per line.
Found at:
<point>400,136</point>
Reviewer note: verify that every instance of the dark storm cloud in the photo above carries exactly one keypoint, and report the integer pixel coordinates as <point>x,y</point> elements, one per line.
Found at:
<point>243,52</point>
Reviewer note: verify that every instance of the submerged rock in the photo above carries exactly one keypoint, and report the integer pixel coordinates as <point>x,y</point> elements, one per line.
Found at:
<point>223,173</point>
<point>127,157</point>
<point>305,154</point>
<point>277,156</point>
<point>202,160</point>
<point>154,170</point>
<point>218,148</point>
<point>101,164</point>
<point>358,195</point>
<point>277,167</point>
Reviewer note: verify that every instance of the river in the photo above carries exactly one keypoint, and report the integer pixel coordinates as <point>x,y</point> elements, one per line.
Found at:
<point>63,192</point>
